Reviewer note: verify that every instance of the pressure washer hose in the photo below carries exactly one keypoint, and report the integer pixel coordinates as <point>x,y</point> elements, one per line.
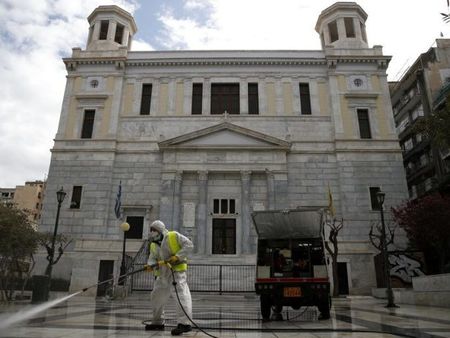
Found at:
<point>174,283</point>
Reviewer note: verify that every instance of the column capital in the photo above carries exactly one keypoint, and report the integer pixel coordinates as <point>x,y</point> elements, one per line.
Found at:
<point>269,173</point>
<point>178,175</point>
<point>202,175</point>
<point>245,175</point>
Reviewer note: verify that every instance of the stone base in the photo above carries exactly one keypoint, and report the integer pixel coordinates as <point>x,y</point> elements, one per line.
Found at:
<point>381,292</point>
<point>431,290</point>
<point>427,298</point>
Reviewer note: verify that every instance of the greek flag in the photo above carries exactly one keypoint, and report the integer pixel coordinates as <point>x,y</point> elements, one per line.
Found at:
<point>330,202</point>
<point>118,201</point>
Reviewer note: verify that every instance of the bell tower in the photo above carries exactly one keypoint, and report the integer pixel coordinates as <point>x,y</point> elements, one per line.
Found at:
<point>110,28</point>
<point>343,26</point>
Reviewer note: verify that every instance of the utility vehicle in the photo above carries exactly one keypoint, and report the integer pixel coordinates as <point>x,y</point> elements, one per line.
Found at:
<point>291,265</point>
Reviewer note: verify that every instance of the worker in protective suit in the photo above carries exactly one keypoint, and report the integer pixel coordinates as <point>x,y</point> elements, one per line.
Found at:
<point>169,247</point>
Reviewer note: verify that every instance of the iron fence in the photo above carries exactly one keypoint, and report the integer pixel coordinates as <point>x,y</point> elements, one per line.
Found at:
<point>205,278</point>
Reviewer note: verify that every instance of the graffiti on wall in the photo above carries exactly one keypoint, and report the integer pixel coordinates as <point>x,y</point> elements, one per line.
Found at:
<point>404,267</point>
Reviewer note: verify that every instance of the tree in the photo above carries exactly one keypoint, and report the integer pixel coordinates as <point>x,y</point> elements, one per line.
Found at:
<point>61,242</point>
<point>446,17</point>
<point>436,126</point>
<point>426,222</point>
<point>334,228</point>
<point>18,243</point>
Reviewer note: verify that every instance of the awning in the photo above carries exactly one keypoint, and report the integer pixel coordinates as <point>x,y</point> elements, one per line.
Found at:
<point>289,223</point>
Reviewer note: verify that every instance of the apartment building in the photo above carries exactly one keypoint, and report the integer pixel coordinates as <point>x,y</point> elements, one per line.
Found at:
<point>422,90</point>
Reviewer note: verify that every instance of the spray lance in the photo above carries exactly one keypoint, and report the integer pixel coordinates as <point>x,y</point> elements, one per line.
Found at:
<point>111,279</point>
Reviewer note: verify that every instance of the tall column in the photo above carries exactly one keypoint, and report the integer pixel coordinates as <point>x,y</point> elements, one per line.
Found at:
<point>187,97</point>
<point>296,97</point>
<point>262,97</point>
<point>111,30</point>
<point>177,200</point>
<point>166,202</point>
<point>281,190</point>
<point>126,36</point>
<point>172,96</point>
<point>201,212</point>
<point>154,105</point>
<point>270,190</point>
<point>206,104</point>
<point>279,104</point>
<point>245,208</point>
<point>243,96</point>
<point>358,33</point>
<point>96,32</point>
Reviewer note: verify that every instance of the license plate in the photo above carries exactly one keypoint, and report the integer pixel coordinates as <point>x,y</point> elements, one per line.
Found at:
<point>292,292</point>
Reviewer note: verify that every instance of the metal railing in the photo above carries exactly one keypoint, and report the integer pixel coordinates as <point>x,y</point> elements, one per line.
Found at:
<point>205,278</point>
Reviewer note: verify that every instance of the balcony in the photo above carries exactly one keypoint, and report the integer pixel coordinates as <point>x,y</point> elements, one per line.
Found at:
<point>442,95</point>
<point>413,175</point>
<point>417,149</point>
<point>408,104</point>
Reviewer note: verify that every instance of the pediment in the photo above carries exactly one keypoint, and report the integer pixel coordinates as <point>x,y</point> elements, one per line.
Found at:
<point>225,136</point>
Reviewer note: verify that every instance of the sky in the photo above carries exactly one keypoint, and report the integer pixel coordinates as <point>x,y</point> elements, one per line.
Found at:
<point>36,34</point>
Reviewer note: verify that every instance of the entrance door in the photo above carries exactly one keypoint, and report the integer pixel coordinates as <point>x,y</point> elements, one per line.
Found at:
<point>224,236</point>
<point>343,278</point>
<point>106,271</point>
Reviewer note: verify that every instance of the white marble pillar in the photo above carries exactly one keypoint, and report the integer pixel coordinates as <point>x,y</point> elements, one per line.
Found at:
<point>243,96</point>
<point>201,221</point>
<point>178,181</point>
<point>206,104</point>
<point>270,190</point>
<point>245,211</point>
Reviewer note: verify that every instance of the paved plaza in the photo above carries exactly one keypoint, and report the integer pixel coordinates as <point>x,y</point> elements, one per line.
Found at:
<point>230,316</point>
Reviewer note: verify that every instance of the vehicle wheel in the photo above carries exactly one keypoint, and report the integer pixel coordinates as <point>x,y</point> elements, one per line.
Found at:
<point>266,305</point>
<point>276,313</point>
<point>324,308</point>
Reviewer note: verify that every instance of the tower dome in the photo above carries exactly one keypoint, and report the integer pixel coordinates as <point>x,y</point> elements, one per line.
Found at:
<point>110,27</point>
<point>343,25</point>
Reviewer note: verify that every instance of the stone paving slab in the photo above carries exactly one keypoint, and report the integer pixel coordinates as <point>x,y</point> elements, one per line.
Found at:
<point>231,316</point>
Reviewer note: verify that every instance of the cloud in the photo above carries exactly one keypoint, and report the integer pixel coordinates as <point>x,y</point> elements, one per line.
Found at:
<point>289,24</point>
<point>250,24</point>
<point>35,35</point>
<point>141,45</point>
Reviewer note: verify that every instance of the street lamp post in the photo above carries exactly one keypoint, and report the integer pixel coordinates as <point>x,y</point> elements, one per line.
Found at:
<point>123,270</point>
<point>384,252</point>
<point>60,195</point>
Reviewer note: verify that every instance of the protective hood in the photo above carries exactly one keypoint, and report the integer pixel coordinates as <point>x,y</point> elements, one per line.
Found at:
<point>159,226</point>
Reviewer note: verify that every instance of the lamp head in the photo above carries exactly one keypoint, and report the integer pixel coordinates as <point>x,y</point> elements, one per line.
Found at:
<point>60,195</point>
<point>380,197</point>
<point>125,226</point>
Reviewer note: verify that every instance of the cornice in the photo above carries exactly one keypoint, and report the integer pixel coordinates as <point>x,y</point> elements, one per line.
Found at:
<point>330,61</point>
<point>225,62</point>
<point>381,61</point>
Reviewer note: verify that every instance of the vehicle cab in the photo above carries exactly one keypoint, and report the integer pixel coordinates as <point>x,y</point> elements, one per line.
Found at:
<point>291,266</point>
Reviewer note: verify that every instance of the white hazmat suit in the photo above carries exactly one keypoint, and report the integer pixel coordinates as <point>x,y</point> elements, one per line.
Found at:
<point>163,287</point>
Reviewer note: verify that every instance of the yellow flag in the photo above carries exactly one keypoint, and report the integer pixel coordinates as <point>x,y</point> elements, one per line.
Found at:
<point>330,202</point>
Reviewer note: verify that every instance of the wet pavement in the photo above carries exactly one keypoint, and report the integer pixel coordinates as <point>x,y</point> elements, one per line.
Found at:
<point>231,316</point>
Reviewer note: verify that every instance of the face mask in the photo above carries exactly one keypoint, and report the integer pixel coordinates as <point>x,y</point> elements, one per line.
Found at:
<point>155,235</point>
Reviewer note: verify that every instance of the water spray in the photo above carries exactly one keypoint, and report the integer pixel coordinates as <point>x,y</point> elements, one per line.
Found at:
<point>9,320</point>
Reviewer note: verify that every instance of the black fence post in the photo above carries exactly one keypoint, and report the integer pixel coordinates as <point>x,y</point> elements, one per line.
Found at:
<point>220,279</point>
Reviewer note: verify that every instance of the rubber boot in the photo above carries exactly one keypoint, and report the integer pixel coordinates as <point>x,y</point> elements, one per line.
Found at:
<point>154,327</point>
<point>181,328</point>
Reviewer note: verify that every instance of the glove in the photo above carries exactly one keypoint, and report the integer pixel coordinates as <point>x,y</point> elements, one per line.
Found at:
<point>148,268</point>
<point>174,260</point>
<point>161,263</point>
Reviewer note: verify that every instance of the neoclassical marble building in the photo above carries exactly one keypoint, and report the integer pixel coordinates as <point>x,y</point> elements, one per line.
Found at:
<point>200,139</point>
